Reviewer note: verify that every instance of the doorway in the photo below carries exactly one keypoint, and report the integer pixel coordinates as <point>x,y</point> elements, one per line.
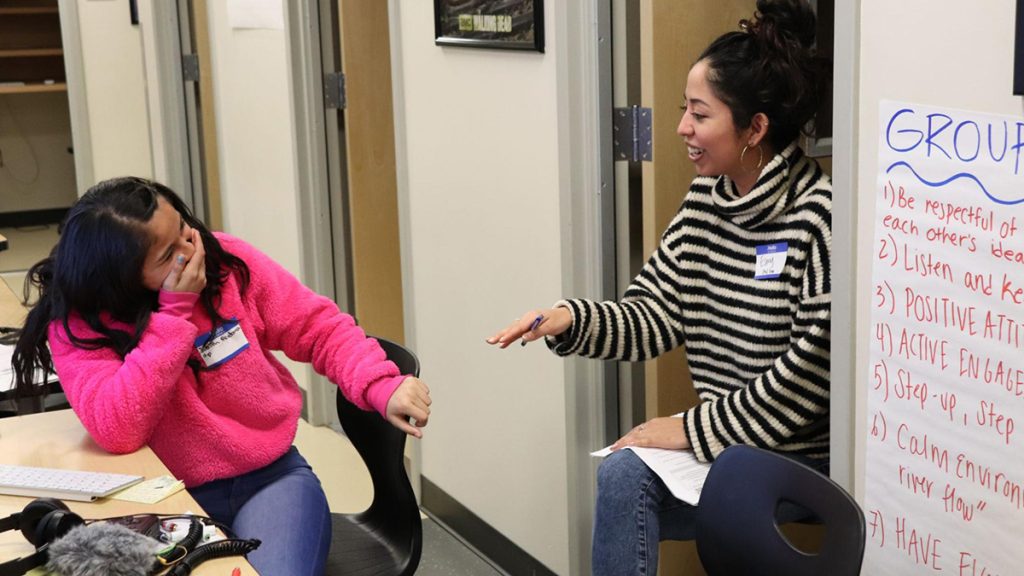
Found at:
<point>656,43</point>
<point>37,168</point>
<point>341,83</point>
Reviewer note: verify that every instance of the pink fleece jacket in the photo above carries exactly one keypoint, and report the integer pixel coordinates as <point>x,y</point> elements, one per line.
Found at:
<point>241,415</point>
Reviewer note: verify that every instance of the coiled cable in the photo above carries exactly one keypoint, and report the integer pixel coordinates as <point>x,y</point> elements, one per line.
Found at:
<point>219,549</point>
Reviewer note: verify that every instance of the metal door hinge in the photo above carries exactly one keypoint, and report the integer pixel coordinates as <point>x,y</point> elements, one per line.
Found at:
<point>334,90</point>
<point>631,134</point>
<point>190,67</point>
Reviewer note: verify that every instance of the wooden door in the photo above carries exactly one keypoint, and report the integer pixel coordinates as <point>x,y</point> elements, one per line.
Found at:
<point>372,182</point>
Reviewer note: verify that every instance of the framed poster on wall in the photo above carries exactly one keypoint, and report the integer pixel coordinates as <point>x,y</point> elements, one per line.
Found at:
<point>505,24</point>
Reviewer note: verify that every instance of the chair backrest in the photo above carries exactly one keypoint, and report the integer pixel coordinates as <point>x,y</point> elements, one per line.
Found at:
<point>737,529</point>
<point>394,512</point>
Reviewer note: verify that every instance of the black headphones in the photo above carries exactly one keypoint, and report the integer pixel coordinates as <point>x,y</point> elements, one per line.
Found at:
<point>41,522</point>
<point>45,520</point>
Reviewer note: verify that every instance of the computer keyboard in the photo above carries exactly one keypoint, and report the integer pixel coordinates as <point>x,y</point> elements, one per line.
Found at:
<point>64,484</point>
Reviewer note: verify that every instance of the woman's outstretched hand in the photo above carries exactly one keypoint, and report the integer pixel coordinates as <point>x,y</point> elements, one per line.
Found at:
<point>410,401</point>
<point>533,325</point>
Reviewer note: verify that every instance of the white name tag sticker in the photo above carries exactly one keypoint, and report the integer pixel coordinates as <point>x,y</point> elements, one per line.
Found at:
<point>221,344</point>
<point>771,259</point>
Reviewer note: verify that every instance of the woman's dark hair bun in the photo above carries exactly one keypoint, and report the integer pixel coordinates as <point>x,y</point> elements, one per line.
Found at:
<point>778,23</point>
<point>771,66</point>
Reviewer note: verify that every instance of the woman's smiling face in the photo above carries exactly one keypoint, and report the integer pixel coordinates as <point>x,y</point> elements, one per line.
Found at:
<point>713,143</point>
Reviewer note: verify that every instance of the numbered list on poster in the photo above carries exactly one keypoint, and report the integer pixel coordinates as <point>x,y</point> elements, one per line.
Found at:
<point>944,489</point>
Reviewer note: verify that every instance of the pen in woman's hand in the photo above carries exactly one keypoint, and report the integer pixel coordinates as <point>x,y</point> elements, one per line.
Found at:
<point>536,322</point>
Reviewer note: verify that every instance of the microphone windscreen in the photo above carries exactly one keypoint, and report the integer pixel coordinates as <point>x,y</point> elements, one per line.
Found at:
<point>102,549</point>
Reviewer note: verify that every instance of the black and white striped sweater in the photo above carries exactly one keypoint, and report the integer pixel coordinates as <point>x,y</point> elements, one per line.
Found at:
<point>758,350</point>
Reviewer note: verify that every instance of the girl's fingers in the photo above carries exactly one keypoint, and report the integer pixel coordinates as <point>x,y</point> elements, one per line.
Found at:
<point>404,426</point>
<point>197,241</point>
<point>414,411</point>
<point>171,281</point>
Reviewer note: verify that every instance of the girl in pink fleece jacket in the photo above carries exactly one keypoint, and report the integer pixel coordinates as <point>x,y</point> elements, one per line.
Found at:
<point>161,333</point>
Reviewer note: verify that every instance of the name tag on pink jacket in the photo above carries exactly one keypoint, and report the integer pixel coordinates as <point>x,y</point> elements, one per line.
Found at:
<point>221,344</point>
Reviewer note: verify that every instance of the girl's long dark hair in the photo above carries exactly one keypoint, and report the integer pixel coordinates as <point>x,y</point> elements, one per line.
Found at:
<point>771,66</point>
<point>96,268</point>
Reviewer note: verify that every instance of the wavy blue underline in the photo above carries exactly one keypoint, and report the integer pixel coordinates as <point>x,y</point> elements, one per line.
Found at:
<point>938,184</point>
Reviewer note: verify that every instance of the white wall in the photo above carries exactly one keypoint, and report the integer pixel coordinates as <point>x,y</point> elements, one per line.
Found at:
<point>115,84</point>
<point>481,162</point>
<point>256,141</point>
<point>254,136</point>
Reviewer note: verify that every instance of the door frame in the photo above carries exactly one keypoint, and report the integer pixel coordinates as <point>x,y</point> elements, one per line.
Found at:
<point>78,107</point>
<point>320,267</point>
<point>589,245</point>
<point>629,252</point>
<point>169,134</point>
<point>348,199</point>
<point>846,402</point>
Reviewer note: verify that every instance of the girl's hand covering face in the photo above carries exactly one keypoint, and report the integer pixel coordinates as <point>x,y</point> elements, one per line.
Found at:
<point>173,247</point>
<point>188,274</point>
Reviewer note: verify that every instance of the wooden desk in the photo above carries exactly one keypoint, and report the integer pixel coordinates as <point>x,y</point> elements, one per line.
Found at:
<point>58,440</point>
<point>12,313</point>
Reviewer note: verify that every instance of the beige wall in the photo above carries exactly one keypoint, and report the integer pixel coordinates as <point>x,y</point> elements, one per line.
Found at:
<point>255,142</point>
<point>482,158</point>
<point>115,87</point>
<point>37,172</point>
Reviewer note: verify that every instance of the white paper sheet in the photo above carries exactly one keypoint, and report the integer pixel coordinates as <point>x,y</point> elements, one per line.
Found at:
<point>7,371</point>
<point>680,470</point>
<point>943,379</point>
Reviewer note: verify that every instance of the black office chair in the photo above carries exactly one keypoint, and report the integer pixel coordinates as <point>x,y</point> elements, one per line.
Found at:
<point>737,529</point>
<point>386,539</point>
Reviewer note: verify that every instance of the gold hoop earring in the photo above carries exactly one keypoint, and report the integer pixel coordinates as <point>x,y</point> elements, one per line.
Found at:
<point>760,158</point>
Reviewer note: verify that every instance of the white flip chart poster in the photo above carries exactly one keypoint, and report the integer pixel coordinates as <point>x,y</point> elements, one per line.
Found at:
<point>944,484</point>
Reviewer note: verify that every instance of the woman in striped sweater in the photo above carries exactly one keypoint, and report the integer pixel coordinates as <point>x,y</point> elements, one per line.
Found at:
<point>741,279</point>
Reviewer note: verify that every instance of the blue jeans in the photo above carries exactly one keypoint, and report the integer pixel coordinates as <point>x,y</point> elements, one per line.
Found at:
<point>635,511</point>
<point>281,504</point>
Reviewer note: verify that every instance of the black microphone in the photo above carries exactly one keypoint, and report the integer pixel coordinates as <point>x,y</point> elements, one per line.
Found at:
<point>103,549</point>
